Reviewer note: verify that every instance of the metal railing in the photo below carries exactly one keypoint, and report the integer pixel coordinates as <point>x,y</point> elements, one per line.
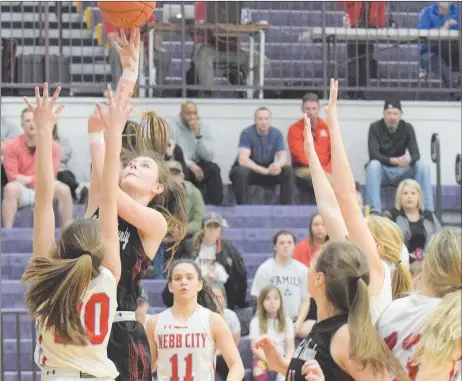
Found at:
<point>458,169</point>
<point>303,45</point>
<point>13,341</point>
<point>436,158</point>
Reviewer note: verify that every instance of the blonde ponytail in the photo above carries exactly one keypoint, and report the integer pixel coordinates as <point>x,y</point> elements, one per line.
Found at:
<point>402,282</point>
<point>440,332</point>
<point>56,290</point>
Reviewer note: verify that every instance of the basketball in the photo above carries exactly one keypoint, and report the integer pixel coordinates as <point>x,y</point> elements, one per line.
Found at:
<point>126,14</point>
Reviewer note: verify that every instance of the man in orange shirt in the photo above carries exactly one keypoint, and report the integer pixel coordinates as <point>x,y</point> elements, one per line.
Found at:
<point>19,163</point>
<point>321,136</point>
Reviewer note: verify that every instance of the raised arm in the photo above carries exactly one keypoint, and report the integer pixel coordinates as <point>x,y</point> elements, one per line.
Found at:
<point>129,59</point>
<point>345,192</point>
<point>326,202</point>
<point>114,119</point>
<point>44,217</point>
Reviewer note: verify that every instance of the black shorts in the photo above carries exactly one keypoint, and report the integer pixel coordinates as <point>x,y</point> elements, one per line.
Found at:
<point>128,348</point>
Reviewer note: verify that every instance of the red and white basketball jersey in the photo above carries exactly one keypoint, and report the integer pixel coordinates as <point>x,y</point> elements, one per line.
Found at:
<point>97,311</point>
<point>185,352</point>
<point>398,325</point>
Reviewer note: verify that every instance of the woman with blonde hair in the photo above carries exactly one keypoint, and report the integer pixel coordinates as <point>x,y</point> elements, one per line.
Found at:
<point>423,330</point>
<point>417,225</point>
<point>389,242</point>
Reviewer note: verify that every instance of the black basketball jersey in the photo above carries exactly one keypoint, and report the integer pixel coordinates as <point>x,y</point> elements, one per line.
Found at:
<point>134,263</point>
<point>317,346</point>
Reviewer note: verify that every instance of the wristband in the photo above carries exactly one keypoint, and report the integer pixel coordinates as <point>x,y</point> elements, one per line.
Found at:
<point>96,137</point>
<point>130,74</point>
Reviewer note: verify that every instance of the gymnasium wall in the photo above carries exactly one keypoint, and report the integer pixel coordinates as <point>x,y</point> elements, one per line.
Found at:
<point>227,117</point>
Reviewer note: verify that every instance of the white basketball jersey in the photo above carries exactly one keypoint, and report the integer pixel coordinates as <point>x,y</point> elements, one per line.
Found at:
<point>185,352</point>
<point>97,312</point>
<point>398,325</point>
<point>379,302</point>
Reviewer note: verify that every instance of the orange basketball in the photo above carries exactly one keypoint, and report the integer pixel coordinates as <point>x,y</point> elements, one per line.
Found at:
<point>126,14</point>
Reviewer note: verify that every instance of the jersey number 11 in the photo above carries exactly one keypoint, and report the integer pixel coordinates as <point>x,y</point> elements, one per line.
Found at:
<point>188,365</point>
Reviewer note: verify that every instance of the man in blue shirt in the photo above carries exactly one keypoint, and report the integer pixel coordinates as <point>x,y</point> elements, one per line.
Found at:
<point>441,57</point>
<point>262,160</point>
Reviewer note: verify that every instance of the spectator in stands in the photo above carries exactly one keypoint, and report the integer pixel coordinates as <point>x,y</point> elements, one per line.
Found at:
<point>361,62</point>
<point>309,248</point>
<point>19,163</point>
<point>8,131</point>
<point>271,321</point>
<point>417,224</point>
<point>262,160</point>
<point>194,200</point>
<point>441,57</point>
<point>79,191</point>
<point>195,139</point>
<point>289,275</point>
<point>295,140</point>
<point>214,56</point>
<point>142,309</point>
<point>388,140</point>
<point>162,59</point>
<point>209,246</point>
<point>234,325</point>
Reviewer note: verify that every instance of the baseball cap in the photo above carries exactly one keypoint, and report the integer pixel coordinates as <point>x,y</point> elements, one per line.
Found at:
<point>174,165</point>
<point>214,218</point>
<point>392,104</point>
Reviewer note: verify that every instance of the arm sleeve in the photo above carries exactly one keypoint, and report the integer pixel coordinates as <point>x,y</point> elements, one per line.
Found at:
<point>424,20</point>
<point>412,146</point>
<point>10,162</point>
<point>234,324</point>
<point>254,330</point>
<point>304,282</point>
<point>295,142</point>
<point>244,141</point>
<point>204,149</point>
<point>279,142</point>
<point>197,213</point>
<point>289,328</point>
<point>259,280</point>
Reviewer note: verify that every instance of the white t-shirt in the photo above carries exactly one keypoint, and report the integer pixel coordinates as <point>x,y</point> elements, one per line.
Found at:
<point>278,337</point>
<point>232,320</point>
<point>291,280</point>
<point>210,269</point>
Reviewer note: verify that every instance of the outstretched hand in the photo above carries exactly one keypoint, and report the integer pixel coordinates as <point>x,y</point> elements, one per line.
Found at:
<point>331,108</point>
<point>45,117</point>
<point>130,50</point>
<point>117,112</point>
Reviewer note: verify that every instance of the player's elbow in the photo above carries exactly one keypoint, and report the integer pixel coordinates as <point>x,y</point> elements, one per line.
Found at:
<point>236,370</point>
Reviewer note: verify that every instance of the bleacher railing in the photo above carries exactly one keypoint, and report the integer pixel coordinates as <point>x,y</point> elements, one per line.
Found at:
<point>305,43</point>
<point>14,321</point>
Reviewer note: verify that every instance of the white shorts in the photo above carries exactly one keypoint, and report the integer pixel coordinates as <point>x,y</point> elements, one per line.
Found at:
<point>26,197</point>
<point>63,375</point>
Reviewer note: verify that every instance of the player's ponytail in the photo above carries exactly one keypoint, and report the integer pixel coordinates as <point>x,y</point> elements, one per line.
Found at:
<point>56,289</point>
<point>442,274</point>
<point>388,235</point>
<point>346,272</point>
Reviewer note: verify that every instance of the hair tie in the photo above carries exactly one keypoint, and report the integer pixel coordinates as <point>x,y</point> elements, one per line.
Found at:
<point>397,263</point>
<point>86,252</point>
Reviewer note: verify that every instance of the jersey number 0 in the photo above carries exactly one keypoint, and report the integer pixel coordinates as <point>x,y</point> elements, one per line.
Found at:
<point>96,318</point>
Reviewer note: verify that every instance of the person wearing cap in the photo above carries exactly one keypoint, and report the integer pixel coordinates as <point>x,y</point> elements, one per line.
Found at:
<point>194,137</point>
<point>208,246</point>
<point>194,201</point>
<point>389,139</point>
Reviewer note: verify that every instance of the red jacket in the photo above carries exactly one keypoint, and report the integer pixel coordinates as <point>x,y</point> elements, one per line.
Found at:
<point>376,10</point>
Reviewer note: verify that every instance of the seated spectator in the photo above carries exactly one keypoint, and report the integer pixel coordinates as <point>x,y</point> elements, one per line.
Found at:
<point>262,160</point>
<point>308,249</point>
<point>194,138</point>
<point>271,321</point>
<point>8,131</point>
<point>79,191</point>
<point>234,325</point>
<point>220,56</point>
<point>295,140</point>
<point>209,247</point>
<point>194,200</point>
<point>441,57</point>
<point>19,163</point>
<point>388,164</point>
<point>282,271</point>
<point>417,224</point>
<point>162,59</point>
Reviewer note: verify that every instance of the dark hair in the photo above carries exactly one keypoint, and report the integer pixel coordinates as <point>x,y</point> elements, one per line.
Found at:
<point>310,232</point>
<point>151,140</point>
<point>205,297</point>
<point>58,282</point>
<point>262,109</point>
<point>24,110</point>
<point>283,232</point>
<point>310,97</point>
<point>347,276</point>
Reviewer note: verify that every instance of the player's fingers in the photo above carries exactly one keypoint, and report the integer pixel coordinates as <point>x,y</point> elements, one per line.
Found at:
<point>37,96</point>
<point>29,105</point>
<point>55,96</point>
<point>101,113</point>
<point>45,94</point>
<point>110,96</point>
<point>59,110</point>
